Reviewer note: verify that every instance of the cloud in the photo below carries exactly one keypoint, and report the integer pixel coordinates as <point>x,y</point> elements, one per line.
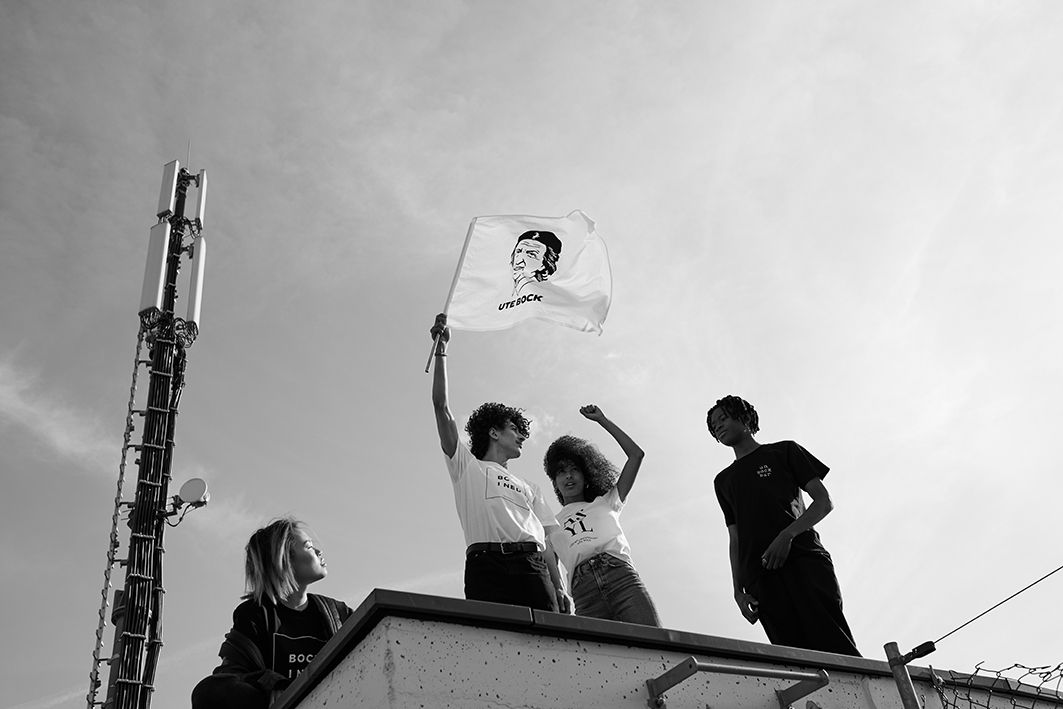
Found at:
<point>67,432</point>
<point>73,435</point>
<point>64,698</point>
<point>231,518</point>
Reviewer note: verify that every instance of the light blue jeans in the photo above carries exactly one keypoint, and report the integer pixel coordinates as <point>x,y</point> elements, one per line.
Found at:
<point>605,586</point>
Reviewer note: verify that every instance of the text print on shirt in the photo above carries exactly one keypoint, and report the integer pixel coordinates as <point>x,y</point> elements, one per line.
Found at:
<point>508,488</point>
<point>574,520</point>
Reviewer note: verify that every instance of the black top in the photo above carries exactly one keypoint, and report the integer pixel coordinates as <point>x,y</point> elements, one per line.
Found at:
<point>760,493</point>
<point>278,642</point>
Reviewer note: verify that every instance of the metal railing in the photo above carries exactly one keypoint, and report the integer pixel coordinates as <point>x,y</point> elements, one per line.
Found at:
<point>807,682</point>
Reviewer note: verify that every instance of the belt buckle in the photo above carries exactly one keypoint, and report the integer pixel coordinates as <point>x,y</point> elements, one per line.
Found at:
<point>503,547</point>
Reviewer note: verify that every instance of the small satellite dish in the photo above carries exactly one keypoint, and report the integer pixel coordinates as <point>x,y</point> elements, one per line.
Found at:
<point>194,492</point>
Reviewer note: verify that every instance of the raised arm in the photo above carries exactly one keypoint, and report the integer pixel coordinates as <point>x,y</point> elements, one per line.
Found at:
<point>448,430</point>
<point>631,449</point>
<point>777,552</point>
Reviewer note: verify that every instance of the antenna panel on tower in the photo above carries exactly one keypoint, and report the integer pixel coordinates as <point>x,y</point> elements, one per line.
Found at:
<point>201,197</point>
<point>195,296</point>
<point>155,271</point>
<point>168,192</point>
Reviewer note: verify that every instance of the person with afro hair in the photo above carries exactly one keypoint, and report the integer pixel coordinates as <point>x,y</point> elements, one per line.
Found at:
<point>505,519</point>
<point>591,543</point>
<point>782,574</point>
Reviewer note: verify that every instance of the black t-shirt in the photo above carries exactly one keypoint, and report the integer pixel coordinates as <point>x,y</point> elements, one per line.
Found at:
<point>300,635</point>
<point>297,637</point>
<point>761,494</point>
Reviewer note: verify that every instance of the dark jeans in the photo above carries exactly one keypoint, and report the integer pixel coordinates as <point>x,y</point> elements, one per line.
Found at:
<point>519,579</point>
<point>801,605</point>
<point>605,586</point>
<point>228,692</point>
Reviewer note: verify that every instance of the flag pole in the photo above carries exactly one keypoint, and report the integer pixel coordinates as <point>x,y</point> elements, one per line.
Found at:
<point>453,284</point>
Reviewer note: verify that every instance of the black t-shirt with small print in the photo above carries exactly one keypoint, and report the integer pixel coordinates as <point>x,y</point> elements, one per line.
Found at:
<point>761,494</point>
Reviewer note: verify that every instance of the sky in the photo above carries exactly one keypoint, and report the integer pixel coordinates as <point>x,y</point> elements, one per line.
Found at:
<point>846,212</point>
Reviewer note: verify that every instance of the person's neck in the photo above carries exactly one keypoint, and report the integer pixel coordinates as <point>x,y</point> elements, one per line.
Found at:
<point>494,455</point>
<point>297,600</point>
<point>745,446</point>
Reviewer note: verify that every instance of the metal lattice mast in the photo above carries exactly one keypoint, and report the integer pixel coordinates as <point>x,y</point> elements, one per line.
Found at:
<point>112,546</point>
<point>138,614</point>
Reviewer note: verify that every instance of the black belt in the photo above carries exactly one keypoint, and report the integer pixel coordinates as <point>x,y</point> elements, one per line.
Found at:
<point>502,547</point>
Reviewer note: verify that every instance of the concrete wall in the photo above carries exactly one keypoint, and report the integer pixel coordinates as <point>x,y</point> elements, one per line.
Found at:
<point>409,664</point>
<point>405,651</point>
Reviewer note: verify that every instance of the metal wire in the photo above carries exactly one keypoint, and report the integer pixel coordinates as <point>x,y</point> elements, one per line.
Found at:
<point>998,604</point>
<point>112,546</point>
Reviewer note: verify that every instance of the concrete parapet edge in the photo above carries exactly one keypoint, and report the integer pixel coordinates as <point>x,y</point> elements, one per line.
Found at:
<point>382,603</point>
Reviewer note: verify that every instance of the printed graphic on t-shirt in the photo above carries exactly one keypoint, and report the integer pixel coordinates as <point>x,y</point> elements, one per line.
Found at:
<point>576,524</point>
<point>579,529</point>
<point>506,486</point>
<point>292,655</point>
<point>764,471</point>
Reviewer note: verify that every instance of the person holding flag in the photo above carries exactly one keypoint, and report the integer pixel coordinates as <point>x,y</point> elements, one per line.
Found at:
<point>505,519</point>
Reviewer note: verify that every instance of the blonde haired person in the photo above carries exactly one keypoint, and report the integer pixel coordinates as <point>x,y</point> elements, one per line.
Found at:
<point>279,627</point>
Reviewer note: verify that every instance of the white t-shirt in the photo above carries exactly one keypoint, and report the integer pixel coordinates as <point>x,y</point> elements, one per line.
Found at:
<point>590,528</point>
<point>494,505</point>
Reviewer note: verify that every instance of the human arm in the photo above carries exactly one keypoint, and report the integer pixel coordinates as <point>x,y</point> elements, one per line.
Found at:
<point>631,449</point>
<point>564,603</point>
<point>779,549</point>
<point>448,430</point>
<point>746,603</point>
<point>243,653</point>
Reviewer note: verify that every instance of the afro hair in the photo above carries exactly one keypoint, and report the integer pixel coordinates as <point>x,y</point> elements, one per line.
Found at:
<point>599,474</point>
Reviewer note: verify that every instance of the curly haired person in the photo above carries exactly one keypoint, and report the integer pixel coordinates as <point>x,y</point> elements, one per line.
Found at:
<point>505,518</point>
<point>591,543</point>
<point>782,574</point>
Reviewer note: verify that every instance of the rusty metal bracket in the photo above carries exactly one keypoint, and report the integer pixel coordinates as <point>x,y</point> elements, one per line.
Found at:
<point>807,682</point>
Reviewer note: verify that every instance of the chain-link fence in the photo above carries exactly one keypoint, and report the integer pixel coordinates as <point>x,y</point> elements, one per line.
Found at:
<point>1015,687</point>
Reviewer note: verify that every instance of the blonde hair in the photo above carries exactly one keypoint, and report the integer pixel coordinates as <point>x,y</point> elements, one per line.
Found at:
<point>268,571</point>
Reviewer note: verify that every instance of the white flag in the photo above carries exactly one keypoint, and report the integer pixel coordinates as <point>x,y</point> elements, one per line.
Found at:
<point>518,267</point>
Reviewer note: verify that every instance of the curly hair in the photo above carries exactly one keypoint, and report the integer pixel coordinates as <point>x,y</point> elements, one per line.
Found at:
<point>599,474</point>
<point>488,416</point>
<point>737,408</point>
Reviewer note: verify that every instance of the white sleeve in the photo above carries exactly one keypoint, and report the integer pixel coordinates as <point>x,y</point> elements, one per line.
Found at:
<point>540,508</point>
<point>459,462</point>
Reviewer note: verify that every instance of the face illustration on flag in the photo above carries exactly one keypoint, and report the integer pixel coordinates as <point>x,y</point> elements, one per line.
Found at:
<point>534,259</point>
<point>517,267</point>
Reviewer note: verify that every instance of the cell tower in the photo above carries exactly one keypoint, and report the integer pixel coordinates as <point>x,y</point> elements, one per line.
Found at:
<point>137,612</point>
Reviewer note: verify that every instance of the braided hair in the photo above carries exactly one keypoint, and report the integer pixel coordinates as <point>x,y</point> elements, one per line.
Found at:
<point>738,409</point>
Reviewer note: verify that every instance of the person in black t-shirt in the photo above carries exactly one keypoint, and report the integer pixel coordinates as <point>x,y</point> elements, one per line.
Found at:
<point>782,575</point>
<point>279,628</point>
